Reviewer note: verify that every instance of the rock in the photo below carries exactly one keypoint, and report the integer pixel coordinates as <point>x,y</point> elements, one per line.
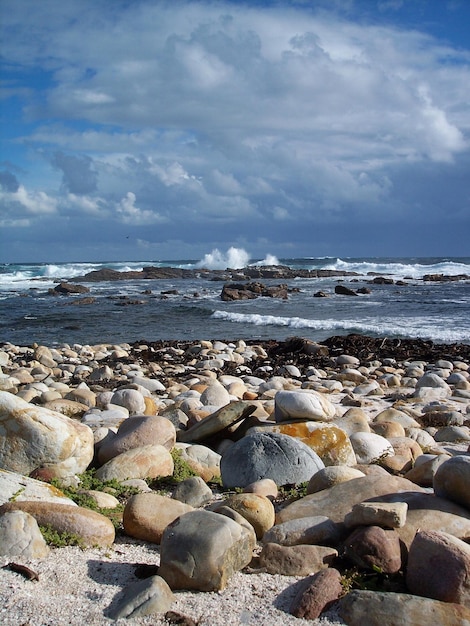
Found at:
<point>131,399</point>
<point>303,404</point>
<point>138,431</point>
<point>333,475</point>
<point>218,421</point>
<point>69,408</point>
<point>369,447</point>
<point>215,395</point>
<point>16,487</point>
<point>383,514</point>
<point>201,550</point>
<point>344,291</point>
<point>146,515</point>
<point>202,460</point>
<point>316,594</point>
<point>353,421</point>
<point>91,527</point>
<point>318,530</point>
<point>379,608</point>
<point>143,597</point>
<point>439,567</point>
<point>257,510</point>
<point>452,480</point>
<point>297,560</point>
<point>20,536</point>
<point>268,455</point>
<point>144,462</point>
<point>330,442</point>
<point>33,437</point>
<point>264,487</point>
<point>425,468</point>
<point>82,395</point>
<point>193,491</point>
<point>373,548</point>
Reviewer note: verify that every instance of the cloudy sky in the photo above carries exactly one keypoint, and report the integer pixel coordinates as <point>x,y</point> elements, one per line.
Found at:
<point>147,130</point>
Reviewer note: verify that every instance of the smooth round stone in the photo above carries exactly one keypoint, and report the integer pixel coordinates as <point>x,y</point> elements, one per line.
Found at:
<point>20,536</point>
<point>268,455</point>
<point>131,399</point>
<point>333,475</point>
<point>257,510</point>
<point>370,447</point>
<point>302,404</point>
<point>452,480</point>
<point>264,487</point>
<point>193,491</point>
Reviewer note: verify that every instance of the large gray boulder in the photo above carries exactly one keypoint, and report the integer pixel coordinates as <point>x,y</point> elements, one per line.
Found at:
<point>268,455</point>
<point>202,550</point>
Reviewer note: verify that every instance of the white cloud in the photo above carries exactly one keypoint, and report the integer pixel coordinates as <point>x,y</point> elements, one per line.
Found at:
<point>129,213</point>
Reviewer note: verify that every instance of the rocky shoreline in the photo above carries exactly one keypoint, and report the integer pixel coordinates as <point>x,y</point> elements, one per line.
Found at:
<point>325,482</point>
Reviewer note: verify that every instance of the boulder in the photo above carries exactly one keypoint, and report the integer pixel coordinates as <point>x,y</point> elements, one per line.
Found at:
<point>439,567</point>
<point>380,608</point>
<point>138,431</point>
<point>32,437</point>
<point>146,515</point>
<point>316,594</point>
<point>303,404</point>
<point>202,550</point>
<point>92,528</point>
<point>452,480</point>
<point>297,560</point>
<point>268,455</point>
<point>144,462</point>
<point>20,536</point>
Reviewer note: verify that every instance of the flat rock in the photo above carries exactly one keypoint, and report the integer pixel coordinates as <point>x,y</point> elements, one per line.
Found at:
<point>376,608</point>
<point>216,422</point>
<point>16,487</point>
<point>298,560</point>
<point>93,528</point>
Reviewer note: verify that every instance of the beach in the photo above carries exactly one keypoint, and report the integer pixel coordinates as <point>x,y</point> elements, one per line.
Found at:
<point>365,375</point>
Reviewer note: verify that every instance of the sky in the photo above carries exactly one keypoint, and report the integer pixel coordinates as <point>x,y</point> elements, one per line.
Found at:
<point>147,130</point>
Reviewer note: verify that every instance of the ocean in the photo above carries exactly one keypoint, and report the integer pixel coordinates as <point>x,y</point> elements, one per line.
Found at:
<point>191,309</point>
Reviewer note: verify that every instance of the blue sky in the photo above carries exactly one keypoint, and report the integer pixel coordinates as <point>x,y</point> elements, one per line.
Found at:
<point>151,130</point>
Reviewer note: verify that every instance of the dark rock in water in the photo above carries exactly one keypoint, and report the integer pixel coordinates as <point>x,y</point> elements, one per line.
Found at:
<point>155,273</point>
<point>268,455</point>
<point>445,277</point>
<point>249,291</point>
<point>381,280</point>
<point>344,291</point>
<point>67,289</point>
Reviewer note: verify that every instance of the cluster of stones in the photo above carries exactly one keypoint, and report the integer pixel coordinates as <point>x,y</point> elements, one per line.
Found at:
<point>383,447</point>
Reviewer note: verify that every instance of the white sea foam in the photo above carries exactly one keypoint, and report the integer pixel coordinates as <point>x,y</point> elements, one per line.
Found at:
<point>234,258</point>
<point>401,270</point>
<point>422,328</point>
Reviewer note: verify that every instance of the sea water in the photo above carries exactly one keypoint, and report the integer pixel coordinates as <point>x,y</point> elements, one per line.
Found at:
<point>136,310</point>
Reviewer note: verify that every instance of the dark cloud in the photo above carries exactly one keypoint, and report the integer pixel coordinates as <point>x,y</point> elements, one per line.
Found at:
<point>78,175</point>
<point>9,182</point>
